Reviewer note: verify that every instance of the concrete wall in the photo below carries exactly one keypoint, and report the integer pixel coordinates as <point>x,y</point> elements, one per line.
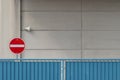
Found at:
<point>97,23</point>
<point>101,28</point>
<point>9,25</point>
<point>98,27</point>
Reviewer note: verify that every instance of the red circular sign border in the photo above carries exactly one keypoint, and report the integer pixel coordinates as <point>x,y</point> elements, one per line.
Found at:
<point>20,52</point>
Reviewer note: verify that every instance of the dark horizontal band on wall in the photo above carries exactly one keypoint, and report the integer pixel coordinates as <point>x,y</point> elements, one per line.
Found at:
<point>53,49</point>
<point>71,11</point>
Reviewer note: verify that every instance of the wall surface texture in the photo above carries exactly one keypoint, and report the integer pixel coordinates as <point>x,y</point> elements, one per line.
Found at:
<point>62,28</point>
<point>9,25</point>
<point>71,28</point>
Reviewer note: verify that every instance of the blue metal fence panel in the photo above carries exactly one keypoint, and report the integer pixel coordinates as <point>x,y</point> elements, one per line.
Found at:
<point>30,70</point>
<point>59,69</point>
<point>92,70</point>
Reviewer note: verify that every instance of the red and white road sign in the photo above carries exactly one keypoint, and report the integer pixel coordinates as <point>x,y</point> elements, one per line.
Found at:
<point>17,45</point>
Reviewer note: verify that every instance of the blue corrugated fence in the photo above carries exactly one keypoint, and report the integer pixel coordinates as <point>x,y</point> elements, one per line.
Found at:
<point>60,69</point>
<point>93,71</point>
<point>30,71</point>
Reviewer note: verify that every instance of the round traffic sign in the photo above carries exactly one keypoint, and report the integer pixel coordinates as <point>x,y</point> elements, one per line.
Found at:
<point>17,45</point>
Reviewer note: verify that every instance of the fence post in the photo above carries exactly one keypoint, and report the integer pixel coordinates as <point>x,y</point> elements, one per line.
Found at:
<point>63,70</point>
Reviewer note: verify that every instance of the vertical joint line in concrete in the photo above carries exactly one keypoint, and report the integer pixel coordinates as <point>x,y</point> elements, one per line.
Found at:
<point>20,22</point>
<point>81,31</point>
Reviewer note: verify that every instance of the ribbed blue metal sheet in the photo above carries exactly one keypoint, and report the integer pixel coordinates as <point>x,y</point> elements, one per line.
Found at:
<point>59,69</point>
<point>92,70</point>
<point>30,70</point>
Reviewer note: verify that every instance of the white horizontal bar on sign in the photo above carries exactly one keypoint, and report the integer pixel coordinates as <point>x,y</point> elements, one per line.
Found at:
<point>17,45</point>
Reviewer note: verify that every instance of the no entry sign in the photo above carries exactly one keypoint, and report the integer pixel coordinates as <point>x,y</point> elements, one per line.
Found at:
<point>17,45</point>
